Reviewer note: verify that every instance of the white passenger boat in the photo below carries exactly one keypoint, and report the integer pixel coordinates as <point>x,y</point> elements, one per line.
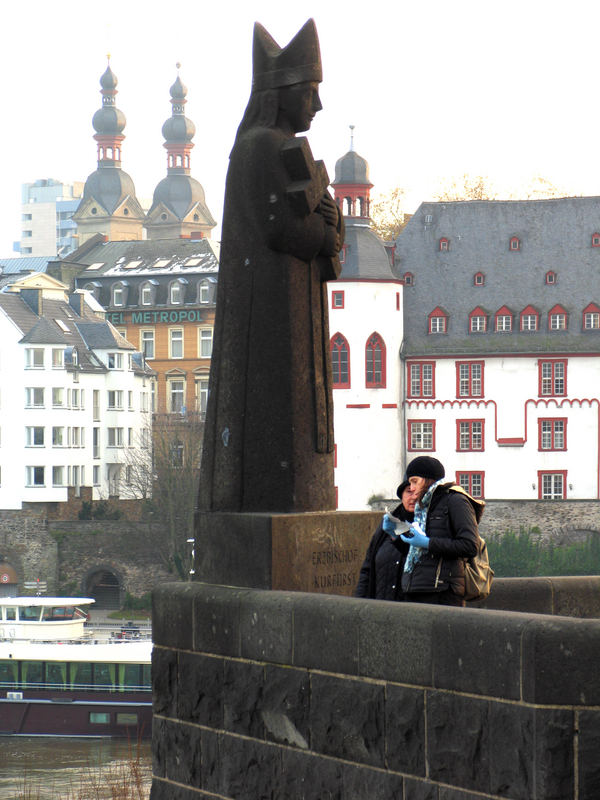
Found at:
<point>57,678</point>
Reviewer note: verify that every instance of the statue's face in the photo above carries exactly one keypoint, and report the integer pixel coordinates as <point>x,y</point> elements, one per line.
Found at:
<point>298,104</point>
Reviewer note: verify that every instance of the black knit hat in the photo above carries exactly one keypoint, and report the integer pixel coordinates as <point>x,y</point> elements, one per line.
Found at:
<point>425,467</point>
<point>404,485</point>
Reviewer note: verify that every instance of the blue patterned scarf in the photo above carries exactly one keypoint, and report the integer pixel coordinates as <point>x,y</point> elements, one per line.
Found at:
<point>421,509</point>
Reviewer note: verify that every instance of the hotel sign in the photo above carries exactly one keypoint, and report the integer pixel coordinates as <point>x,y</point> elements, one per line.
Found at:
<point>156,317</point>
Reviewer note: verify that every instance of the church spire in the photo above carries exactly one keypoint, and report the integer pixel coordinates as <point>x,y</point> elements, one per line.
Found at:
<point>178,131</point>
<point>109,122</point>
<point>352,186</point>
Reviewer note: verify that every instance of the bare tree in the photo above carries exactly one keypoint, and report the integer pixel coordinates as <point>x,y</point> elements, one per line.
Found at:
<point>387,215</point>
<point>168,480</point>
<point>466,187</point>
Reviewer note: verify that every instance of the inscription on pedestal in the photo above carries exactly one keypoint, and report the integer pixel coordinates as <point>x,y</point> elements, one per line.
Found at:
<point>335,569</point>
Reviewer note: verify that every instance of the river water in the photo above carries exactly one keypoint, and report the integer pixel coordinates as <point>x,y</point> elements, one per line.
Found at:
<point>60,768</point>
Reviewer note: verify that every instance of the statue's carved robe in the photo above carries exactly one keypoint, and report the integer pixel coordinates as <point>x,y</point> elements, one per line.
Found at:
<point>268,442</point>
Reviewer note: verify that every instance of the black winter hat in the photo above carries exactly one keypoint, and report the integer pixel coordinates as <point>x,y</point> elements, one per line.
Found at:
<point>425,467</point>
<point>404,485</point>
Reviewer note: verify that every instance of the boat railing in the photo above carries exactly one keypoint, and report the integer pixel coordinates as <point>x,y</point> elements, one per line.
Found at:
<point>67,687</point>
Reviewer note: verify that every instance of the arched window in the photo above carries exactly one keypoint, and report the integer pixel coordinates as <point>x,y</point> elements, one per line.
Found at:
<point>340,361</point>
<point>146,294</point>
<point>444,244</point>
<point>175,293</point>
<point>479,279</point>
<point>514,244</point>
<point>375,362</point>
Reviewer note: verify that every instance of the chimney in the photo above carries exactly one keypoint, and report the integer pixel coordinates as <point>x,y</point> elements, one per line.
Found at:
<point>77,302</point>
<point>33,298</point>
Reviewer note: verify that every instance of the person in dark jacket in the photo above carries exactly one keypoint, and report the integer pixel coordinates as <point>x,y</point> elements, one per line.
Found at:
<point>381,573</point>
<point>444,533</point>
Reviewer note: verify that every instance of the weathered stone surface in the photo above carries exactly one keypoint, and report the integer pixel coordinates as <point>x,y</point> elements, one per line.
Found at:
<point>405,729</point>
<point>347,719</point>
<point>395,641</point>
<point>511,739</point>
<point>456,794</point>
<point>589,750</point>
<point>362,783</point>
<point>172,615</point>
<point>458,740</point>
<point>267,627</point>
<point>531,595</point>
<point>164,681</point>
<point>576,596</point>
<point>200,689</point>
<point>478,652</point>
<point>164,790</point>
<point>419,790</point>
<point>285,706</point>
<point>159,741</point>
<point>560,661</point>
<point>183,753</point>
<point>326,633</point>
<point>308,777</point>
<point>553,754</point>
<point>243,685</point>
<point>217,619</point>
<point>247,769</point>
<point>317,552</point>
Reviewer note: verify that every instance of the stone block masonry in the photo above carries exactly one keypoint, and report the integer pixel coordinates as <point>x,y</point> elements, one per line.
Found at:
<point>293,696</point>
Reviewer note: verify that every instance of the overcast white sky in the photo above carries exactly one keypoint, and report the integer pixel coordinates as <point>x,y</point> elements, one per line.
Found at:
<point>435,89</point>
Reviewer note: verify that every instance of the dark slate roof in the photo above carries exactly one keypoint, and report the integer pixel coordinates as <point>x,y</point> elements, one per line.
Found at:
<point>366,256</point>
<point>110,186</point>
<point>180,194</point>
<point>555,235</point>
<point>102,336</point>
<point>351,168</point>
<point>18,311</point>
<point>115,256</point>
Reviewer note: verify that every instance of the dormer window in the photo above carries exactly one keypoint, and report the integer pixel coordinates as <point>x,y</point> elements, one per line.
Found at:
<point>504,319</point>
<point>409,279</point>
<point>595,239</point>
<point>477,321</point>
<point>550,278</point>
<point>591,317</point>
<point>529,319</point>
<point>175,294</point>
<point>146,294</point>
<point>479,279</point>
<point>118,295</point>
<point>557,319</point>
<point>444,244</point>
<point>514,244</point>
<point>204,292</point>
<point>438,321</point>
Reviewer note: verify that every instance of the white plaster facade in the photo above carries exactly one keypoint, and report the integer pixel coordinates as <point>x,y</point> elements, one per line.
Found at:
<point>368,421</point>
<point>56,421</point>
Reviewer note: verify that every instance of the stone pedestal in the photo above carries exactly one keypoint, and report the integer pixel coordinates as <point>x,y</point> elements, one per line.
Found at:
<point>318,551</point>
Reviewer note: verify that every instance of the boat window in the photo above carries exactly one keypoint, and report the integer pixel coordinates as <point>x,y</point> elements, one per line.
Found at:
<point>56,672</point>
<point>80,673</point>
<point>99,718</point>
<point>104,675</point>
<point>123,718</point>
<point>9,673</point>
<point>10,614</point>
<point>30,613</point>
<point>129,674</point>
<point>58,613</point>
<point>32,671</point>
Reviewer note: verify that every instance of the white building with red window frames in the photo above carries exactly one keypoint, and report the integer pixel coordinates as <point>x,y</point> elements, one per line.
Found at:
<point>501,353</point>
<point>365,323</point>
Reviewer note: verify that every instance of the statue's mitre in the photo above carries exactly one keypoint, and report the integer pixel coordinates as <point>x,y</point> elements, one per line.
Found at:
<point>274,66</point>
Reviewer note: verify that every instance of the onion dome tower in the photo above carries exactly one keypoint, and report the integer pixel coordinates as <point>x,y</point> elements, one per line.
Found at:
<point>352,185</point>
<point>109,204</point>
<point>364,255</point>
<point>178,206</point>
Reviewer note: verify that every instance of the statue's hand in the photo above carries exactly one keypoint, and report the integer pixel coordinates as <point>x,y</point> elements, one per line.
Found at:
<point>329,210</point>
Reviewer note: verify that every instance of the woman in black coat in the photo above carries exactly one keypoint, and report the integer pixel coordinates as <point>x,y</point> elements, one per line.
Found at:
<point>444,533</point>
<point>381,573</point>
